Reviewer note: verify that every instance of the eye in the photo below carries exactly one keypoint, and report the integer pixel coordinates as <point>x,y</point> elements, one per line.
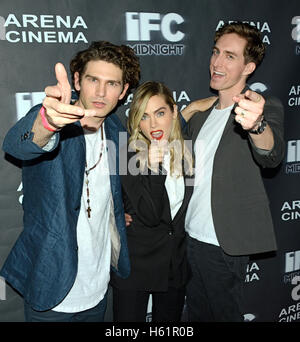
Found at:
<point>113,83</point>
<point>92,79</point>
<point>159,114</point>
<point>144,117</point>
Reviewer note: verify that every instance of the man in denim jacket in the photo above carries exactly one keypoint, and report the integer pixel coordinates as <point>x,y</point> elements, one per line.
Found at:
<point>74,227</point>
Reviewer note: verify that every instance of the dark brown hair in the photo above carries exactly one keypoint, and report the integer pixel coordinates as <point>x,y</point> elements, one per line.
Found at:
<point>254,49</point>
<point>120,55</point>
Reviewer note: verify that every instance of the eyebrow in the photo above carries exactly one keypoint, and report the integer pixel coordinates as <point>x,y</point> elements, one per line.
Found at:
<point>97,78</point>
<point>226,51</point>
<point>157,110</point>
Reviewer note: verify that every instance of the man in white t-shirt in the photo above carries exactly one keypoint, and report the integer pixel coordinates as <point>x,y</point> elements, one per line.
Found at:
<point>228,216</point>
<point>74,227</point>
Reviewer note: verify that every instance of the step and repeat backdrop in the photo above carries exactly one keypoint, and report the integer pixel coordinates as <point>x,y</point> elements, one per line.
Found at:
<point>173,40</point>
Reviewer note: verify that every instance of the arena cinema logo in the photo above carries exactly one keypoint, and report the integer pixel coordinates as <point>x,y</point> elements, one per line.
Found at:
<point>293,157</point>
<point>43,29</point>
<point>263,27</point>
<point>294,96</point>
<point>252,272</point>
<point>296,33</point>
<point>181,98</point>
<point>141,27</point>
<point>290,210</point>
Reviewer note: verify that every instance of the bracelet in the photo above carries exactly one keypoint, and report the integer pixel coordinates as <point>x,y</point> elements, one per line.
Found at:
<point>261,127</point>
<point>45,121</point>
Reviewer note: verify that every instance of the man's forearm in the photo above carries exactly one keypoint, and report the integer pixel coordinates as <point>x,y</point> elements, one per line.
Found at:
<point>41,134</point>
<point>265,140</point>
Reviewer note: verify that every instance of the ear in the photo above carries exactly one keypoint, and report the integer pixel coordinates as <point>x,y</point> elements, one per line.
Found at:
<point>76,81</point>
<point>175,111</point>
<point>126,86</point>
<point>249,68</point>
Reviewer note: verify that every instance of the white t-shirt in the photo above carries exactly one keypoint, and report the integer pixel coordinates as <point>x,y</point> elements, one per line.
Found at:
<point>199,221</point>
<point>174,186</point>
<point>93,235</point>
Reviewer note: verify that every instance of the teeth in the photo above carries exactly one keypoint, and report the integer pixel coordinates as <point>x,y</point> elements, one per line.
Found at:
<point>219,73</point>
<point>156,134</point>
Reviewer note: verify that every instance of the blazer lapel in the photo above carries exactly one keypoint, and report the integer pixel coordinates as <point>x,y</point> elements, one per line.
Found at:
<point>231,123</point>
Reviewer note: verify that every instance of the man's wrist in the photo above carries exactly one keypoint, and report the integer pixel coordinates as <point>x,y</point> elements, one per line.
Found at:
<point>45,121</point>
<point>259,128</point>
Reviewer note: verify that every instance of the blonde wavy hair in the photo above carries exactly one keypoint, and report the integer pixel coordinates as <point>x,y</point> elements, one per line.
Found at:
<point>179,152</point>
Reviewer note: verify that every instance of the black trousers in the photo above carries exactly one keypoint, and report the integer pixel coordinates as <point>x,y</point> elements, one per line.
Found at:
<point>131,305</point>
<point>215,293</point>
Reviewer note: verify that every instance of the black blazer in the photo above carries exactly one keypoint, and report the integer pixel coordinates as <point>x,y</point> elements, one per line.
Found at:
<point>240,206</point>
<point>156,243</point>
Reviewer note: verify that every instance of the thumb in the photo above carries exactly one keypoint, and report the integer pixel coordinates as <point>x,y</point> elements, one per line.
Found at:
<point>238,98</point>
<point>63,83</point>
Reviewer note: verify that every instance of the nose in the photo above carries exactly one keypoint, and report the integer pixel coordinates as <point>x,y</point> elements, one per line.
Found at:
<point>101,89</point>
<point>216,60</point>
<point>152,121</point>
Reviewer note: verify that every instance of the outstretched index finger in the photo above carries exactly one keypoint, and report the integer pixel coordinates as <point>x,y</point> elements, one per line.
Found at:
<point>63,83</point>
<point>253,96</point>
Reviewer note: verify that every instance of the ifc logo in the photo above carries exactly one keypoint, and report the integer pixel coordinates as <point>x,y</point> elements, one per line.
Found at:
<point>293,151</point>
<point>296,30</point>
<point>140,25</point>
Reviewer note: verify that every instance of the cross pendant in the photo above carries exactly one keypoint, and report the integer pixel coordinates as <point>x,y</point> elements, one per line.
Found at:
<point>89,211</point>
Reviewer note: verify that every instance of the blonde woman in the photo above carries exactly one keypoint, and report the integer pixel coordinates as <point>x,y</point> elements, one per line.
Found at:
<point>156,197</point>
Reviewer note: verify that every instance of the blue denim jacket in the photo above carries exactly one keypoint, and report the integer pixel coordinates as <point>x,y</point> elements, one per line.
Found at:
<point>42,265</point>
